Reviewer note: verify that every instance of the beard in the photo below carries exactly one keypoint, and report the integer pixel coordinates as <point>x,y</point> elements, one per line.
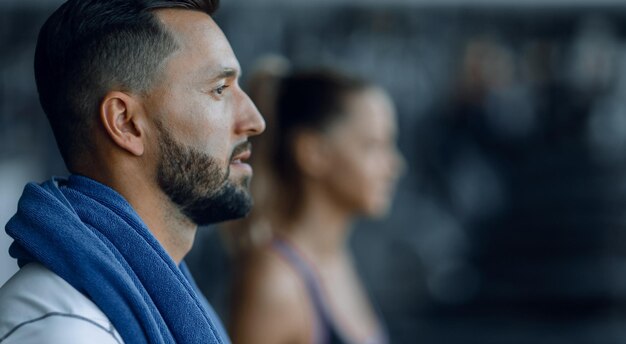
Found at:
<point>198,185</point>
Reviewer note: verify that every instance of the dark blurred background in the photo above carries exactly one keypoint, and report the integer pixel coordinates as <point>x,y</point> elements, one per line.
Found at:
<point>510,225</point>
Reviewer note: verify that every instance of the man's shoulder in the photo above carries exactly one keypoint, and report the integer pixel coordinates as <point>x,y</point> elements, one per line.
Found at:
<point>36,304</point>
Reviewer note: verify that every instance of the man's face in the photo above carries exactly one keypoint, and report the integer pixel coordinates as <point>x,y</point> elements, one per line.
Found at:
<point>202,122</point>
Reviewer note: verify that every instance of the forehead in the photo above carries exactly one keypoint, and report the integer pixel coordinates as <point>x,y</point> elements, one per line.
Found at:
<point>202,44</point>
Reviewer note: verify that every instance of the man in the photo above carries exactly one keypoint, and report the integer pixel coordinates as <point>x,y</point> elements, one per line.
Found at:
<point>143,99</point>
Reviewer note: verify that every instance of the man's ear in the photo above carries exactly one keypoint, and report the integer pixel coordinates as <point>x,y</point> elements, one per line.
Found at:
<point>122,117</point>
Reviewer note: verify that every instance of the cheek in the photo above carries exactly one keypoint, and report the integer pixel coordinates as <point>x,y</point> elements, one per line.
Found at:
<point>204,125</point>
<point>355,180</point>
<point>364,166</point>
<point>366,180</point>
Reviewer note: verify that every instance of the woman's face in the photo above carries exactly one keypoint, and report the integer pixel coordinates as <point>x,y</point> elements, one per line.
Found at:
<point>362,151</point>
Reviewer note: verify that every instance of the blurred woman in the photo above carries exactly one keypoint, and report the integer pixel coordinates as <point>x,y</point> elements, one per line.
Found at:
<point>330,157</point>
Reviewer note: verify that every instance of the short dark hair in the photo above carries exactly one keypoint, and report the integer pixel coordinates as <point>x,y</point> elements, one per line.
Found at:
<point>89,47</point>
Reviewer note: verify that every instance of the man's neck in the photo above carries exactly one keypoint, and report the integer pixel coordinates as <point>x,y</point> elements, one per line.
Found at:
<point>174,231</point>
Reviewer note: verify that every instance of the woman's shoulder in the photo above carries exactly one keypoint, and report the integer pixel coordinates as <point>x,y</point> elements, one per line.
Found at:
<point>267,273</point>
<point>271,303</point>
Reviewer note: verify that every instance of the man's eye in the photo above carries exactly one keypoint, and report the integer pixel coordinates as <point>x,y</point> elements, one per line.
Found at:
<point>220,90</point>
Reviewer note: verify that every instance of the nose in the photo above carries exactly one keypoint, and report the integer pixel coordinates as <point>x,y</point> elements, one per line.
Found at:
<point>250,122</point>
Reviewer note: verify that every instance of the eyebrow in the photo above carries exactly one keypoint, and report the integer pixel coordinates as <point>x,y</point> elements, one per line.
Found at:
<point>225,73</point>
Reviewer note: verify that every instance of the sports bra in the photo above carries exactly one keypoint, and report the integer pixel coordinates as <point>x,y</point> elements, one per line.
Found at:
<point>325,328</point>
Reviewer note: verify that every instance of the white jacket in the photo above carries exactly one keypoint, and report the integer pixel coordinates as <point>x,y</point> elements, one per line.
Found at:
<point>38,306</point>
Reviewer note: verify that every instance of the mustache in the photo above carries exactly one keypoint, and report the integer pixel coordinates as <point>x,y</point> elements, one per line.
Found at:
<point>240,148</point>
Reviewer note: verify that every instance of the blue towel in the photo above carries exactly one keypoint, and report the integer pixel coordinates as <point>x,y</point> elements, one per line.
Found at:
<point>88,234</point>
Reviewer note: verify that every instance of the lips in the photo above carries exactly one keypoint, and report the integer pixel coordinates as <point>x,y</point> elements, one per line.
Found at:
<point>239,158</point>
<point>241,153</point>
